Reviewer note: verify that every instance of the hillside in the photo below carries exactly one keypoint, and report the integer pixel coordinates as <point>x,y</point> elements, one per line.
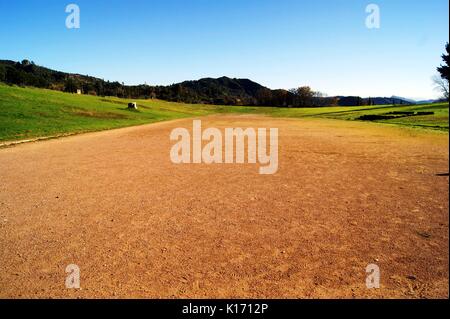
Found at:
<point>30,112</point>
<point>221,91</point>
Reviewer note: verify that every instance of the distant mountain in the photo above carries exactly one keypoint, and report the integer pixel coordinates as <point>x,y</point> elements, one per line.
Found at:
<point>411,101</point>
<point>430,101</point>
<point>391,100</point>
<point>222,91</point>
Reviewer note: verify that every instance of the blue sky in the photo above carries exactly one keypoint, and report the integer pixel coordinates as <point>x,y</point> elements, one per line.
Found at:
<point>278,43</point>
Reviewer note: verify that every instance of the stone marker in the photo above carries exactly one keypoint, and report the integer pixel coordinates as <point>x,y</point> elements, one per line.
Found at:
<point>132,105</point>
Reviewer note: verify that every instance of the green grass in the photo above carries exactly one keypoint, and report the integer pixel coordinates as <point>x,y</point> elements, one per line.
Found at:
<point>29,113</point>
<point>438,121</point>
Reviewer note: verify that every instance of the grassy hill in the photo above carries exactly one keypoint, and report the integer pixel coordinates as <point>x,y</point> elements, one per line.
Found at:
<point>29,113</point>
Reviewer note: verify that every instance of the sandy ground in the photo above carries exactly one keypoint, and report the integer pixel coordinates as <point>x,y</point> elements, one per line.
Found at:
<point>346,195</point>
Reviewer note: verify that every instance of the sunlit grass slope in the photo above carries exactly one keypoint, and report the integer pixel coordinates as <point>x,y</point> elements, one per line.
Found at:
<point>28,113</point>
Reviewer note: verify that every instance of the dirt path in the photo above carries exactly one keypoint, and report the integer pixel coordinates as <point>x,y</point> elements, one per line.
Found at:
<point>346,195</point>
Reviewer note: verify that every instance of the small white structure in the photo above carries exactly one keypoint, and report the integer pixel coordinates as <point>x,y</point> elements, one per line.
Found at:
<point>132,106</point>
<point>79,91</point>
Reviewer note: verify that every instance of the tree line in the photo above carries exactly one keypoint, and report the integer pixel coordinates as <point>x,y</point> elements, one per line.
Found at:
<point>221,91</point>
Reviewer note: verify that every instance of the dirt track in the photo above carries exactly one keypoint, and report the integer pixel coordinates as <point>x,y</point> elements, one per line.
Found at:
<point>346,195</point>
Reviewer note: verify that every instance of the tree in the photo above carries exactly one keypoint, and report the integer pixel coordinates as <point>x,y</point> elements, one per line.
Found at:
<point>444,69</point>
<point>2,74</point>
<point>87,87</point>
<point>441,85</point>
<point>14,77</point>
<point>99,89</point>
<point>305,96</point>
<point>70,86</point>
<point>441,82</point>
<point>280,98</point>
<point>264,97</point>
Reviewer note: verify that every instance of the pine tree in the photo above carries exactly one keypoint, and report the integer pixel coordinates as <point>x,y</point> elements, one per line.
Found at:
<point>444,69</point>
